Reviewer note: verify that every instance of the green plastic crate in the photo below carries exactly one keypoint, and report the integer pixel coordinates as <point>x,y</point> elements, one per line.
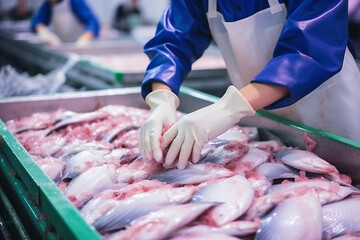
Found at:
<point>39,199</point>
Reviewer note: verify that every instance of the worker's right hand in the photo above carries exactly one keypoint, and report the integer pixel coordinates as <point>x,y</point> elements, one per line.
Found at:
<point>48,37</point>
<point>163,104</point>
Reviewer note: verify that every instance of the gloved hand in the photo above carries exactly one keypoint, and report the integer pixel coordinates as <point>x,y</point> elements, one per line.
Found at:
<point>163,105</point>
<point>48,37</point>
<point>189,135</point>
<point>84,39</point>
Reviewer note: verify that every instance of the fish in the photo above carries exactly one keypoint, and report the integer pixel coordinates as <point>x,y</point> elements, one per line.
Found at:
<point>249,161</point>
<point>120,156</point>
<point>270,145</point>
<point>350,236</point>
<point>224,152</point>
<point>77,146</point>
<point>192,174</point>
<point>89,183</point>
<point>327,191</point>
<point>129,139</point>
<point>33,122</point>
<point>272,170</point>
<point>262,178</point>
<point>124,212</point>
<point>76,119</point>
<point>304,160</point>
<point>82,161</point>
<point>204,236</point>
<point>262,205</point>
<point>137,170</point>
<point>341,217</point>
<point>259,183</point>
<point>299,217</point>
<point>158,225</point>
<point>42,147</point>
<point>236,228</point>
<point>105,200</point>
<point>52,167</point>
<point>120,128</point>
<point>234,193</point>
<point>240,134</point>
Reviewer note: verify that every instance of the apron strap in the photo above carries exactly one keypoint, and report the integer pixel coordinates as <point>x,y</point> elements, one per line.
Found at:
<point>274,6</point>
<point>212,9</point>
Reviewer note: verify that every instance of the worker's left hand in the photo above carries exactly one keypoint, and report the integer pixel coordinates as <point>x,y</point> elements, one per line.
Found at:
<point>188,136</point>
<point>84,39</point>
<point>163,104</point>
<point>47,36</point>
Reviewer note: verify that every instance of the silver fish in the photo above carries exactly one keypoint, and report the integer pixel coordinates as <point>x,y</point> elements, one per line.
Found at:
<point>262,205</point>
<point>204,236</point>
<point>327,191</point>
<point>193,174</point>
<point>105,200</point>
<point>36,121</point>
<point>225,153</point>
<point>52,167</point>
<point>124,212</point>
<point>76,119</point>
<point>235,228</point>
<point>158,225</point>
<point>89,183</point>
<point>249,161</point>
<point>341,217</point>
<point>137,170</point>
<point>351,236</point>
<point>119,156</point>
<point>277,170</point>
<point>82,161</point>
<point>234,193</point>
<point>304,160</point>
<point>240,134</point>
<point>44,147</point>
<point>121,128</point>
<point>271,145</point>
<point>81,145</point>
<point>299,217</point>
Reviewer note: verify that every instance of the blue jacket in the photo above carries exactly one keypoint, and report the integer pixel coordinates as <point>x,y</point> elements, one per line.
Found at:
<point>80,9</point>
<point>309,51</point>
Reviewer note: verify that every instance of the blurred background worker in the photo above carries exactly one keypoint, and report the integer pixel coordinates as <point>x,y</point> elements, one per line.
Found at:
<point>70,21</point>
<point>280,55</point>
<point>20,11</point>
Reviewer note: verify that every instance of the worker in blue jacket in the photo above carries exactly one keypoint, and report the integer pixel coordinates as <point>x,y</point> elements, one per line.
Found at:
<point>289,57</point>
<point>71,21</point>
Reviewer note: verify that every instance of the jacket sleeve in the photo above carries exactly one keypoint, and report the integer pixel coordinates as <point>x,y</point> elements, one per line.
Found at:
<point>84,13</point>
<point>42,15</point>
<point>181,37</point>
<point>310,49</point>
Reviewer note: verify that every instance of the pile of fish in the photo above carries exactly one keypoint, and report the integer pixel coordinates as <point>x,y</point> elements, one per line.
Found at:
<point>242,188</point>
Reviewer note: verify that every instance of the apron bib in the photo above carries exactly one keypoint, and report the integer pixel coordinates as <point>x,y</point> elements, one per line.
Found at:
<point>247,45</point>
<point>64,22</point>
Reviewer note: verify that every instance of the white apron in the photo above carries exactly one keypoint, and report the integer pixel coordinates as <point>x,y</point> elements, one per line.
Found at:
<point>248,44</point>
<point>64,23</point>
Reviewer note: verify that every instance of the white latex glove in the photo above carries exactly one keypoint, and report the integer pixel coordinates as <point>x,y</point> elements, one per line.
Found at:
<point>83,40</point>
<point>189,135</point>
<point>163,105</point>
<point>48,37</point>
